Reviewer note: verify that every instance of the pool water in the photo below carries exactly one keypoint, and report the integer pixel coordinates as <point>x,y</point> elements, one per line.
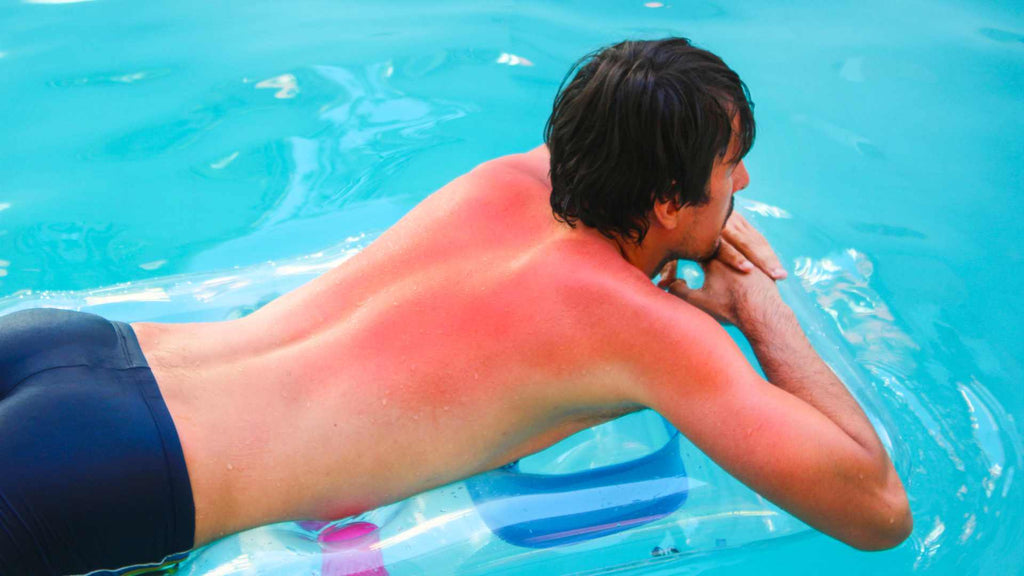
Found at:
<point>143,140</point>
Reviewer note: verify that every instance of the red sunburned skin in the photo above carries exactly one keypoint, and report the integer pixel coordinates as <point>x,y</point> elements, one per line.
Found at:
<point>442,351</point>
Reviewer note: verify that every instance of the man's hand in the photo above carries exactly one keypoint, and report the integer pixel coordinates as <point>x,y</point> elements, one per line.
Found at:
<point>744,248</point>
<point>732,297</point>
<point>734,291</point>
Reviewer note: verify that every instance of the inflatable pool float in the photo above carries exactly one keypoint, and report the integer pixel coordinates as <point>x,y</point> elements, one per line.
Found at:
<point>628,494</point>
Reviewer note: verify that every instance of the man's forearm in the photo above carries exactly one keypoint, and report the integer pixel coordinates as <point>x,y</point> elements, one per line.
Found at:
<point>790,362</point>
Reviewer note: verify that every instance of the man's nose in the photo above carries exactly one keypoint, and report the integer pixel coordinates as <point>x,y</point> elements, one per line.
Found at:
<point>740,178</point>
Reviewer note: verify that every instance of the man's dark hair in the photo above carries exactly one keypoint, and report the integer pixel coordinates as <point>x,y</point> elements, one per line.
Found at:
<point>641,121</point>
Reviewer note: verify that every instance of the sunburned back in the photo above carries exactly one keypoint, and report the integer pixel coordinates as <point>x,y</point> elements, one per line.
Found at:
<point>451,345</point>
<point>479,329</point>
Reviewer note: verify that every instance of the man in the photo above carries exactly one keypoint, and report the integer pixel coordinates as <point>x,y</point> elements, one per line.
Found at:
<point>381,378</point>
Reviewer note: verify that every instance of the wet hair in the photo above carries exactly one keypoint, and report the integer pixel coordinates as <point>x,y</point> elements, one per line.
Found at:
<point>641,121</point>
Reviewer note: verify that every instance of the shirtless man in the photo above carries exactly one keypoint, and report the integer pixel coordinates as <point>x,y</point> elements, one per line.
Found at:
<point>382,378</point>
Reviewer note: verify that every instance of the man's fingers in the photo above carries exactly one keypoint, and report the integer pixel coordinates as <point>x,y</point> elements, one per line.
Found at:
<point>752,245</point>
<point>679,288</point>
<point>670,280</point>
<point>668,274</point>
<point>728,254</point>
<point>696,297</point>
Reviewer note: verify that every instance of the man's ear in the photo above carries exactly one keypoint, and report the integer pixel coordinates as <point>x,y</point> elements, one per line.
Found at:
<point>667,213</point>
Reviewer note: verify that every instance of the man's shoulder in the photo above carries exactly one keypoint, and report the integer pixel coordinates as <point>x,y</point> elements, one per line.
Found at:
<point>635,311</point>
<point>533,165</point>
<point>661,332</point>
<point>659,342</point>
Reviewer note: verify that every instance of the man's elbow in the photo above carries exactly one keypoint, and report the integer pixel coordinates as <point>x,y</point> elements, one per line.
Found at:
<point>892,526</point>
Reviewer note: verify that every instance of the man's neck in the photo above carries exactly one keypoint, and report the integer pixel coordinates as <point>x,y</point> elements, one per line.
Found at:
<point>647,256</point>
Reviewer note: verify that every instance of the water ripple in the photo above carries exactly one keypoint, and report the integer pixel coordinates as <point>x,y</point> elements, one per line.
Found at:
<point>965,446</point>
<point>111,78</point>
<point>371,129</point>
<point>46,250</point>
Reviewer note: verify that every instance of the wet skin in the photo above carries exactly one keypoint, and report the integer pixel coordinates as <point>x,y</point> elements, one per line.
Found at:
<point>477,330</point>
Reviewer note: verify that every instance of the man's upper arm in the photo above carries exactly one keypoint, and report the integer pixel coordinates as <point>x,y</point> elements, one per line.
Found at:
<point>771,440</point>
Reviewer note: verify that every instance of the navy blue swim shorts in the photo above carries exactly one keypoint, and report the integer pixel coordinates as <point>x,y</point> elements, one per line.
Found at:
<point>92,475</point>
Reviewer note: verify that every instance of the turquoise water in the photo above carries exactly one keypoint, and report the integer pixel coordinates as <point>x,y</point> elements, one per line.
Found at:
<point>143,140</point>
